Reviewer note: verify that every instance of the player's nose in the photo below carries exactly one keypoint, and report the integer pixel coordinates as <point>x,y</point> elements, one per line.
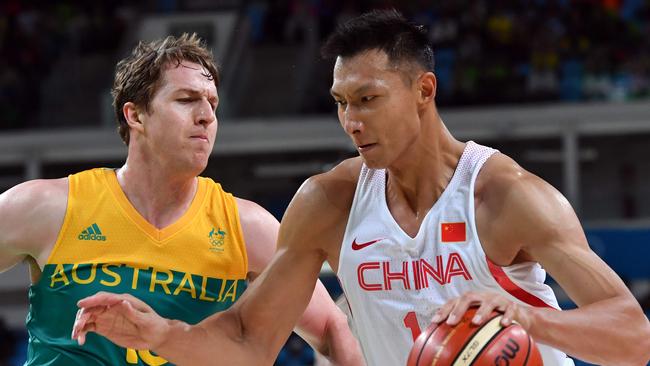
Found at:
<point>352,124</point>
<point>205,115</point>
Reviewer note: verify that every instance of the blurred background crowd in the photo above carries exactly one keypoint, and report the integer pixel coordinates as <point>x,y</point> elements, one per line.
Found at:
<point>487,52</point>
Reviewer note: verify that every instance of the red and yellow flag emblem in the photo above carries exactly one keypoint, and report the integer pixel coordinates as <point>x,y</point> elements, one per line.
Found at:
<point>453,232</point>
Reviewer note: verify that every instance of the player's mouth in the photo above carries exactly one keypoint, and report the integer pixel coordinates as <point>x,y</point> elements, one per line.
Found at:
<point>365,148</point>
<point>200,138</point>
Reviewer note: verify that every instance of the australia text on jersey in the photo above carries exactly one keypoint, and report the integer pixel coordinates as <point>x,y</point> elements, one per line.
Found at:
<point>172,283</point>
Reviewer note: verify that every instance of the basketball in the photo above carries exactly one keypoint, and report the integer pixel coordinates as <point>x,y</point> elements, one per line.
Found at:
<point>468,344</point>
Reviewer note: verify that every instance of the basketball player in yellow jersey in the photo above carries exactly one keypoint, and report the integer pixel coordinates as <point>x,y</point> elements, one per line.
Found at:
<point>152,228</point>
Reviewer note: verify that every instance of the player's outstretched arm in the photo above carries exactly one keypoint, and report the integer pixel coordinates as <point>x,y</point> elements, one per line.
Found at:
<point>322,325</point>
<point>273,304</point>
<point>255,328</point>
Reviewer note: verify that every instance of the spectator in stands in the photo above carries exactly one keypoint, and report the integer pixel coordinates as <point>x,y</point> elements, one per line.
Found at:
<point>611,31</point>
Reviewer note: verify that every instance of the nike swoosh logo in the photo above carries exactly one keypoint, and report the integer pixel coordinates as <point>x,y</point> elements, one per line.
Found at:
<point>358,246</point>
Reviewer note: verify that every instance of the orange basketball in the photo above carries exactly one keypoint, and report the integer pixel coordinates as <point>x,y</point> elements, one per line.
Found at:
<point>467,344</point>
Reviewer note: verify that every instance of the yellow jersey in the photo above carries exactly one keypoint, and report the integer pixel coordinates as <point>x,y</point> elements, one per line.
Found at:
<point>189,270</point>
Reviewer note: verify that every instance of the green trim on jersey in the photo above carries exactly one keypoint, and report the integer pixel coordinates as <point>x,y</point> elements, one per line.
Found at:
<point>172,294</point>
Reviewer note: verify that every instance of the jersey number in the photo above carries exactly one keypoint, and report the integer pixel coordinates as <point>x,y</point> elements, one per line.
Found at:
<point>132,357</point>
<point>411,322</point>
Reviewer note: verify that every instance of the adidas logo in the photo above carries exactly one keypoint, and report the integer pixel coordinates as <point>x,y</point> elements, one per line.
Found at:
<point>92,233</point>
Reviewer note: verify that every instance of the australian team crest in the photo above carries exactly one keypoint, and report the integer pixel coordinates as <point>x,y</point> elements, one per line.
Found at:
<point>216,237</point>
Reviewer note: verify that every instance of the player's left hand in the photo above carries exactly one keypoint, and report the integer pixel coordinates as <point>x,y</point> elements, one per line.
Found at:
<point>453,310</point>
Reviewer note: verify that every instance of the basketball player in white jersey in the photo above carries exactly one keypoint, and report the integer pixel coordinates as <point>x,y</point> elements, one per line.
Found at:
<point>418,222</point>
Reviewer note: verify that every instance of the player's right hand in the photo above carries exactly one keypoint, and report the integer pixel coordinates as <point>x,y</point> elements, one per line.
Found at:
<point>122,318</point>
<point>452,311</point>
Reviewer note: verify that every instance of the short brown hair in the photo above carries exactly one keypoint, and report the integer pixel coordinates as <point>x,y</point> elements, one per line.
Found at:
<point>138,76</point>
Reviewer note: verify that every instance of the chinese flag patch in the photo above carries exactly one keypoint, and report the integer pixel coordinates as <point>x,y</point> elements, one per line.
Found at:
<point>452,232</point>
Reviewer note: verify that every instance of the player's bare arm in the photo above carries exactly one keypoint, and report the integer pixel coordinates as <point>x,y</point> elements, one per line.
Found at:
<point>256,327</point>
<point>38,202</point>
<point>522,218</point>
<point>307,237</point>
<point>322,324</point>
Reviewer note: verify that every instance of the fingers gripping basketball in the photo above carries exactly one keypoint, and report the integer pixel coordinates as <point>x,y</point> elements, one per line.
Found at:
<point>466,344</point>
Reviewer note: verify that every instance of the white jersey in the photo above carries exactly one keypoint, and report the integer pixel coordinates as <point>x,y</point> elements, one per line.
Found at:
<point>394,283</point>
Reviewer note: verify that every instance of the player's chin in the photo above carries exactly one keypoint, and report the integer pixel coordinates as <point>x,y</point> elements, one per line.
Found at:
<point>373,163</point>
<point>201,156</point>
<point>198,163</point>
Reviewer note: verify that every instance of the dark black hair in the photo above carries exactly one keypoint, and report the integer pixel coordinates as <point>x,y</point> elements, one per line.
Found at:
<point>385,30</point>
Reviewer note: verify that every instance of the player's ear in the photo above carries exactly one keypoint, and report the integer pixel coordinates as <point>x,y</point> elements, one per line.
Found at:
<point>427,85</point>
<point>133,116</point>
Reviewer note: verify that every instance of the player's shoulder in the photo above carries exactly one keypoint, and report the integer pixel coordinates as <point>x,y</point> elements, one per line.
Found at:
<point>317,214</point>
<point>323,201</point>
<point>516,211</point>
<point>503,181</point>
<point>252,214</point>
<point>42,202</point>
<point>36,193</point>
<point>343,175</point>
<point>500,175</point>
<point>260,232</point>
<point>333,189</point>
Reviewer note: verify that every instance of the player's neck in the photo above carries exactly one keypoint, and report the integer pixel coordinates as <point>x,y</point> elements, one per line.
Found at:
<point>423,172</point>
<point>159,196</point>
